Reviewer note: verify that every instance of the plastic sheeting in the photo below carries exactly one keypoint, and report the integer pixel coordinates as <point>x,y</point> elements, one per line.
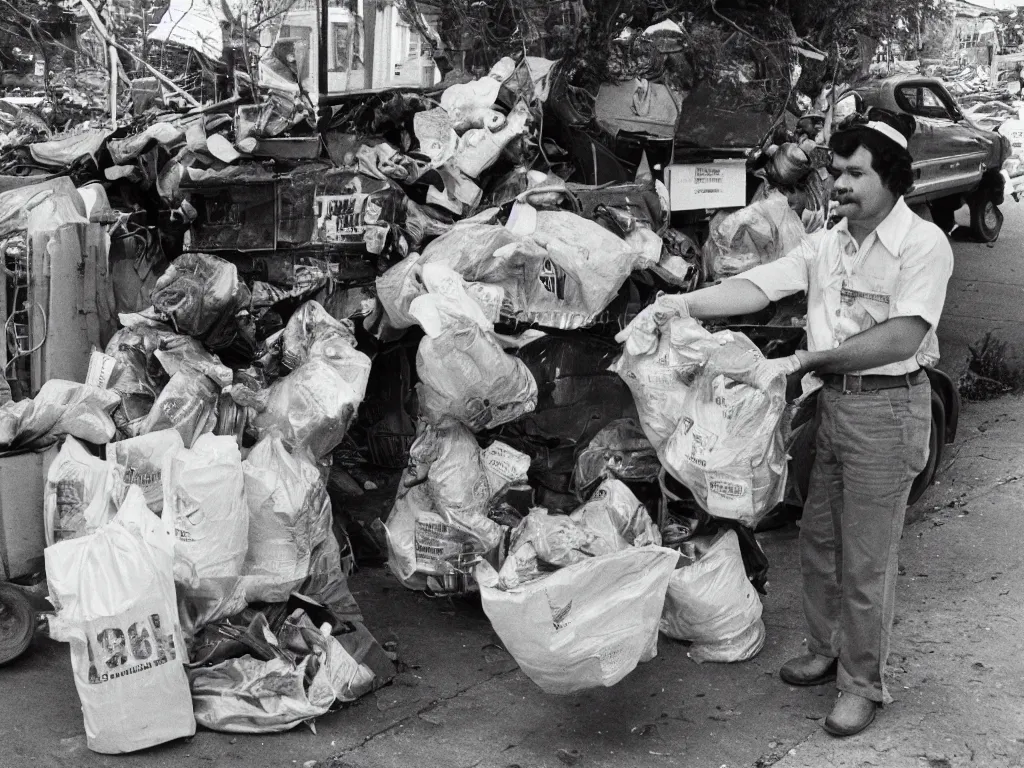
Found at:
<point>114,593</point>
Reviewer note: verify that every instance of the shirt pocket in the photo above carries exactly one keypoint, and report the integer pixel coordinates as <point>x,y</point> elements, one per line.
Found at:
<point>866,303</point>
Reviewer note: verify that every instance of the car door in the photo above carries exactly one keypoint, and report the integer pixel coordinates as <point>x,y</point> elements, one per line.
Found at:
<point>949,153</point>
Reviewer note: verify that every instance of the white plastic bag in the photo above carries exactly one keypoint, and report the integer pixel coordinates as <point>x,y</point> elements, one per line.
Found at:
<point>114,592</point>
<point>719,437</point>
<point>206,512</point>
<point>290,522</point>
<point>77,494</point>
<point>584,626</point>
<point>712,604</point>
<point>140,461</point>
<point>464,373</point>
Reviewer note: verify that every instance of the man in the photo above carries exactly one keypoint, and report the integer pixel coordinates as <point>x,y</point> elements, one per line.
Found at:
<point>875,285</point>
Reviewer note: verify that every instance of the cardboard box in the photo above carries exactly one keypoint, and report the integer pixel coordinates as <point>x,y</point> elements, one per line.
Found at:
<point>22,540</point>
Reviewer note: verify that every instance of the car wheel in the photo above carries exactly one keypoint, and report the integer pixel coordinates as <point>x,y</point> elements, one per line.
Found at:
<point>986,218</point>
<point>17,623</point>
<point>935,442</point>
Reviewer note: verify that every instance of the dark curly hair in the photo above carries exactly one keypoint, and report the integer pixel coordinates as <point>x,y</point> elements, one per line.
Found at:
<point>889,160</point>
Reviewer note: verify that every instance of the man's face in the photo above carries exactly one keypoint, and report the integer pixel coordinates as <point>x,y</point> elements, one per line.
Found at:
<point>859,189</point>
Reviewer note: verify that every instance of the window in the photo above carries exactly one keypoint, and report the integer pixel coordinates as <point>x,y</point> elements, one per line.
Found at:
<point>342,34</point>
<point>922,100</point>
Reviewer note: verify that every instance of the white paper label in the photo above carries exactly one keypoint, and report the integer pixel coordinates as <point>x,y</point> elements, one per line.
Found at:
<point>707,185</point>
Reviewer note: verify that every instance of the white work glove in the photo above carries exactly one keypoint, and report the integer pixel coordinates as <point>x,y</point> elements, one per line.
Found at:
<point>759,374</point>
<point>641,335</point>
<point>772,368</point>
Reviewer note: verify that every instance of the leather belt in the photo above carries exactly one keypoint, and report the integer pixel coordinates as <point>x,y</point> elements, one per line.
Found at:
<point>852,383</point>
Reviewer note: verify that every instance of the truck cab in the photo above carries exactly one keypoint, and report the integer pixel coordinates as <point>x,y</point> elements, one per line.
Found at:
<point>955,161</point>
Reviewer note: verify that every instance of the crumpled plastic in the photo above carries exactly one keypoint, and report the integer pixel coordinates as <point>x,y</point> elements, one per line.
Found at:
<point>312,331</point>
<point>611,521</point>
<point>115,600</point>
<point>620,450</point>
<point>307,671</point>
<point>440,514</point>
<point>61,408</point>
<point>464,373</point>
<point>707,408</point>
<point>76,494</point>
<point>311,408</point>
<point>290,519</point>
<point>206,511</point>
<point>200,295</point>
<point>610,607</point>
<point>137,376</point>
<point>183,353</point>
<point>711,603</point>
<point>757,234</point>
<point>556,269</point>
<point>187,404</point>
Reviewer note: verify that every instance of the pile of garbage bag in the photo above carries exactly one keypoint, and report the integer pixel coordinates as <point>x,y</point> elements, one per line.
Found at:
<point>429,291</point>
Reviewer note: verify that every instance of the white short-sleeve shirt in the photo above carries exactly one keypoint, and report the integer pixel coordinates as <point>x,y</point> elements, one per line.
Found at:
<point>900,270</point>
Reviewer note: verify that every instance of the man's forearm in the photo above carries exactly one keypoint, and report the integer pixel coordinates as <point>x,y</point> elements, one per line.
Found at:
<point>888,342</point>
<point>733,297</point>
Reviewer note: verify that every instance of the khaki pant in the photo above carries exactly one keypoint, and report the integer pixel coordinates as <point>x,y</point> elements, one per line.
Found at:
<point>870,447</point>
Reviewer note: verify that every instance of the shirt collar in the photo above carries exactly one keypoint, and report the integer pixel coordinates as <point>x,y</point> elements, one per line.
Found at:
<point>892,230</point>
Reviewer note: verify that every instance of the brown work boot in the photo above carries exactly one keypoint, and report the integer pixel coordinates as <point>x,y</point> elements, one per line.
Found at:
<point>851,714</point>
<point>809,669</point>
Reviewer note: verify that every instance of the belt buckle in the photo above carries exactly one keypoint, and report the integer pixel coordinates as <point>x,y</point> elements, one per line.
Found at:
<point>848,381</point>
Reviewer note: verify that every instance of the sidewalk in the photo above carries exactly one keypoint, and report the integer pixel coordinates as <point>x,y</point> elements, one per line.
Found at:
<point>956,664</point>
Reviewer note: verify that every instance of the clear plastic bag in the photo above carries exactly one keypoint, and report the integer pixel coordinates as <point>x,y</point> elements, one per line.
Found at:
<point>77,494</point>
<point>712,604</point>
<point>719,437</point>
<point>311,408</point>
<point>465,375</point>
<point>198,292</point>
<point>757,234</point>
<point>187,404</point>
<point>290,521</point>
<point>620,450</point>
<point>311,332</point>
<point>183,353</point>
<point>584,626</point>
<point>114,593</point>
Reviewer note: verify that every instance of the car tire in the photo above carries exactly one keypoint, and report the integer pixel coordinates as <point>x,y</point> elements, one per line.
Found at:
<point>936,440</point>
<point>986,218</point>
<point>17,622</point>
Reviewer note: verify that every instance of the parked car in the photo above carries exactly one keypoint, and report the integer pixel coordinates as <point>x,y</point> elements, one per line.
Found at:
<point>955,161</point>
